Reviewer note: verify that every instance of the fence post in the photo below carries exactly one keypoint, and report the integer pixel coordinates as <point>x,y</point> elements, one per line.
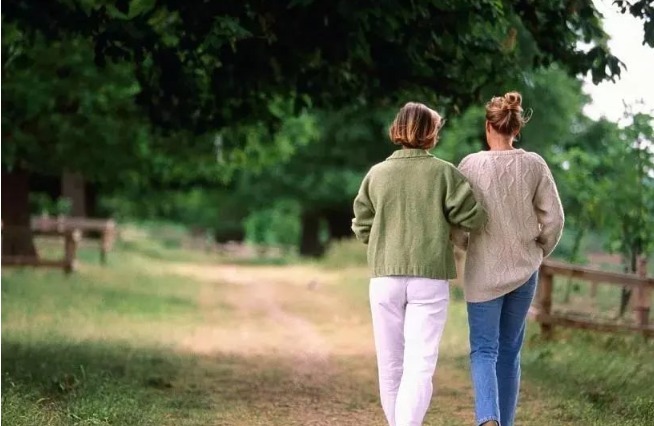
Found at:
<point>545,293</point>
<point>642,297</point>
<point>104,247</point>
<point>72,238</point>
<point>107,240</point>
<point>60,223</point>
<point>593,289</point>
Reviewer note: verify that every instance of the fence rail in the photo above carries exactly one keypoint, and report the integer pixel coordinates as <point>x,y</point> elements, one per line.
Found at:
<point>105,227</point>
<point>642,287</point>
<point>71,240</point>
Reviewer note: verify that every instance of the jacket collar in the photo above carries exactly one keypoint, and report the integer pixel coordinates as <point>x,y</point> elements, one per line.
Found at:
<point>409,153</point>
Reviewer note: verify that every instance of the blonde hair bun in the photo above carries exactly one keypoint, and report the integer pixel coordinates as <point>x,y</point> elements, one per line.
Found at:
<point>513,101</point>
<point>505,113</point>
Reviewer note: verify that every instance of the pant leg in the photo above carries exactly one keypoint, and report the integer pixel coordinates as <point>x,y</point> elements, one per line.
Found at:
<point>387,304</point>
<point>426,313</point>
<point>484,323</point>
<point>512,332</point>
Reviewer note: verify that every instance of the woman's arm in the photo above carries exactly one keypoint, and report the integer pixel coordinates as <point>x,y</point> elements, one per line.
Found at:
<point>458,235</point>
<point>364,212</point>
<point>549,211</point>
<point>461,207</point>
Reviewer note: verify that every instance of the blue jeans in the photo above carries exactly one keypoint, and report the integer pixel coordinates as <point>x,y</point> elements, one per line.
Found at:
<point>497,330</point>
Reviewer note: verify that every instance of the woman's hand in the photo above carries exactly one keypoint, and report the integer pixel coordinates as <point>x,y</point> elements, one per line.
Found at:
<point>459,238</point>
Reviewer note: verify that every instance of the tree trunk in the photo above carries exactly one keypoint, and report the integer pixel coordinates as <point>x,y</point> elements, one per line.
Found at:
<point>339,223</point>
<point>16,214</point>
<point>310,244</point>
<point>91,195</point>
<point>631,268</point>
<point>73,188</point>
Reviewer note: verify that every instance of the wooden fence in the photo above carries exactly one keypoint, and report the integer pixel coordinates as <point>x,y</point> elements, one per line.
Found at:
<point>641,285</point>
<point>106,228</point>
<point>71,240</point>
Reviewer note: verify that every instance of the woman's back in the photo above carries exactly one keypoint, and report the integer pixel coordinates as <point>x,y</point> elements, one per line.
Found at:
<point>524,220</point>
<point>415,198</point>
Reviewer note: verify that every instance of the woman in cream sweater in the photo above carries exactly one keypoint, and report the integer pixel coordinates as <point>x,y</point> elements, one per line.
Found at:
<point>525,221</point>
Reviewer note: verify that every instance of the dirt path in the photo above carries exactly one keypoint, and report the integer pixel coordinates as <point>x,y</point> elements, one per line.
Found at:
<point>299,352</point>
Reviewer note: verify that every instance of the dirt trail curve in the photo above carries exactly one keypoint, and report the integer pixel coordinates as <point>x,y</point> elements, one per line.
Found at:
<point>264,324</point>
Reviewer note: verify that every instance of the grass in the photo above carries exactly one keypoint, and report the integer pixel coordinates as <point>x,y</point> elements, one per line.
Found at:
<point>90,348</point>
<point>164,336</point>
<point>345,253</point>
<point>594,378</point>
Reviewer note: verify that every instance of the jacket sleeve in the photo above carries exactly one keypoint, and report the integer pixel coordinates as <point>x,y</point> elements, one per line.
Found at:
<point>549,211</point>
<point>461,208</point>
<point>364,212</point>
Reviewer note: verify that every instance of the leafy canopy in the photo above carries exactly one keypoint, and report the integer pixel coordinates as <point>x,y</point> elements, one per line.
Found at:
<point>202,65</point>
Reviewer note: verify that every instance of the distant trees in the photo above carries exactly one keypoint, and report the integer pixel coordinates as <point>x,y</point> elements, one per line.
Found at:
<point>143,95</point>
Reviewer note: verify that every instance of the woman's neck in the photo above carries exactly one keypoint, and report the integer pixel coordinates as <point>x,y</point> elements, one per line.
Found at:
<point>500,143</point>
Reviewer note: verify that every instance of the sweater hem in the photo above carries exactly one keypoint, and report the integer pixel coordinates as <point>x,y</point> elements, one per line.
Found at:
<point>481,296</point>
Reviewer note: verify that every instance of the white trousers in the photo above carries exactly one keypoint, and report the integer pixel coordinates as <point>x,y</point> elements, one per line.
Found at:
<point>408,317</point>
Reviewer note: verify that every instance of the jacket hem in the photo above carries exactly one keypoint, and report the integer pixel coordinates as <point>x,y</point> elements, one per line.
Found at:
<point>413,272</point>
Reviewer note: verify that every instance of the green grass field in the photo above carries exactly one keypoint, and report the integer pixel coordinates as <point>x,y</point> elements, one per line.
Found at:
<point>163,336</point>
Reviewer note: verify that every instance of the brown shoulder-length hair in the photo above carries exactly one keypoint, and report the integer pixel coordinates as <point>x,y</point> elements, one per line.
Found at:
<point>505,113</point>
<point>415,126</point>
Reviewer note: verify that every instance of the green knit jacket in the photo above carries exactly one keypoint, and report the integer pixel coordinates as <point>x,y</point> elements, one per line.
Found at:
<point>405,209</point>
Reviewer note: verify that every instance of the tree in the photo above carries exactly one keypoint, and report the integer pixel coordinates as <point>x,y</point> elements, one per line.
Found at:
<point>610,184</point>
<point>204,64</point>
<point>64,115</point>
<point>56,103</point>
<point>323,176</point>
<point>632,232</point>
<point>580,169</point>
<point>201,70</point>
<point>607,182</point>
<point>629,187</point>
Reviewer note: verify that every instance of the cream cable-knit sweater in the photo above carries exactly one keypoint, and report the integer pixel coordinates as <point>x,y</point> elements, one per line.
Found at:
<point>525,221</point>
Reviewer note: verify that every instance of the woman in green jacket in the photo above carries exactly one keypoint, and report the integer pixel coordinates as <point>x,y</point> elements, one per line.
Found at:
<point>404,211</point>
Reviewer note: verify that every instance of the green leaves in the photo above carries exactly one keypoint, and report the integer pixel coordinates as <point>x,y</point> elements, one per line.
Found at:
<point>276,225</point>
<point>200,63</point>
<point>293,98</point>
<point>332,152</point>
<point>61,112</point>
<point>608,183</point>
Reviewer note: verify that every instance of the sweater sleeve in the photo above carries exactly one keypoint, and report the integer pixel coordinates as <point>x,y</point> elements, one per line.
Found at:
<point>548,210</point>
<point>461,207</point>
<point>364,212</point>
